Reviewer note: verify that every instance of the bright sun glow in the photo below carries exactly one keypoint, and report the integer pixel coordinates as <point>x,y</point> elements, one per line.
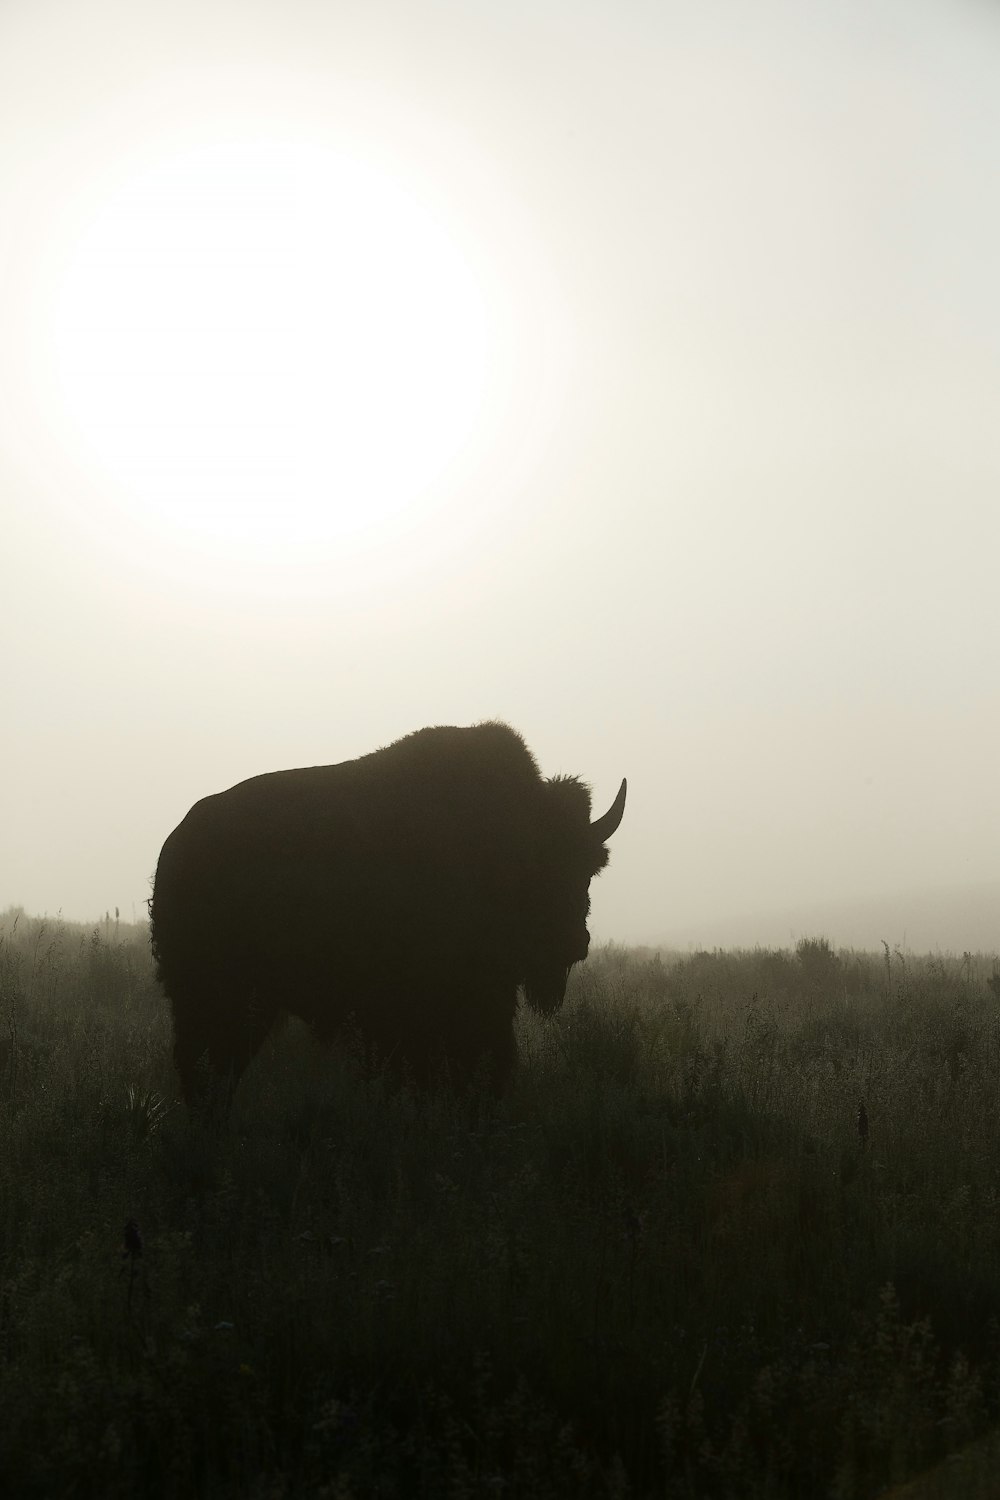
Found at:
<point>262,346</point>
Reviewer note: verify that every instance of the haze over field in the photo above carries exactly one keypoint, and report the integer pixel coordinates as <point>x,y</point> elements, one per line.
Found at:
<point>625,371</point>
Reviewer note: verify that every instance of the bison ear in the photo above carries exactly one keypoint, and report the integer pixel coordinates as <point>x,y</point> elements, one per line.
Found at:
<point>602,828</point>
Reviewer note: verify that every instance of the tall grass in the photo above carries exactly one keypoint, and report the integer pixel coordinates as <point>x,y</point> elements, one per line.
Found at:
<point>669,1263</point>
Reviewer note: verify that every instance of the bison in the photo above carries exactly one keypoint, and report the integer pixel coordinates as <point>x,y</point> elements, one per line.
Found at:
<point>403,897</point>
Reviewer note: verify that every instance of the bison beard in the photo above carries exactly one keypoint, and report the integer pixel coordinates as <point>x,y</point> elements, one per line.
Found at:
<point>404,897</point>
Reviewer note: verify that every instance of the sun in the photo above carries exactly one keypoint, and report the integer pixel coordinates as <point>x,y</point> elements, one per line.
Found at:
<point>264,345</point>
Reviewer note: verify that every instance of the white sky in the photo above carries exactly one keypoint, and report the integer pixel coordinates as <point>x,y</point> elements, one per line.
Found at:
<point>629,371</point>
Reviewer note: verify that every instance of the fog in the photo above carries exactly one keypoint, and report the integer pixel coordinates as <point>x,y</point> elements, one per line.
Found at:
<point>626,372</point>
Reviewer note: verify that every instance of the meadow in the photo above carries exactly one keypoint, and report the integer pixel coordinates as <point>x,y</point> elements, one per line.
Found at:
<point>735,1231</point>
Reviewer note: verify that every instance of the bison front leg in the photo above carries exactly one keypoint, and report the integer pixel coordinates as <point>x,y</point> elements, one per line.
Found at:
<point>480,1044</point>
<point>215,1040</point>
<point>503,1059</point>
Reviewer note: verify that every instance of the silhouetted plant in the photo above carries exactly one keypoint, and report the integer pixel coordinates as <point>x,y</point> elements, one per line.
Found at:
<point>819,964</point>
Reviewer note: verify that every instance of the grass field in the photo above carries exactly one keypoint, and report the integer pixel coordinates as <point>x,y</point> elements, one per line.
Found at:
<point>668,1264</point>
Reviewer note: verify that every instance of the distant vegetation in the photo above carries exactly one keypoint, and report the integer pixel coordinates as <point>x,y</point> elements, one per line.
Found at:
<point>735,1232</point>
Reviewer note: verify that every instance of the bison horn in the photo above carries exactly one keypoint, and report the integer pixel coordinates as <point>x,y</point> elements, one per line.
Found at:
<point>603,828</point>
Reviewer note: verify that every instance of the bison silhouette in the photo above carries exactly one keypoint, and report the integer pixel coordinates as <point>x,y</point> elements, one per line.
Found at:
<point>402,898</point>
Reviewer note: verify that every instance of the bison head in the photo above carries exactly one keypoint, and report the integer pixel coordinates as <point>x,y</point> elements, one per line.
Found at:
<point>572,854</point>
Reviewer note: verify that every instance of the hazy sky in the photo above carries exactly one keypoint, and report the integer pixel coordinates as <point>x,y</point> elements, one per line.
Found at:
<point>629,371</point>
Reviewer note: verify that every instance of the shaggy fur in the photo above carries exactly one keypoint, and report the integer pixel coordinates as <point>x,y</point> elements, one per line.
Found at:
<point>405,896</point>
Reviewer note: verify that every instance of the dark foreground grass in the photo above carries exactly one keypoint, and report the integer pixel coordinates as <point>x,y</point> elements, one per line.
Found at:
<point>667,1265</point>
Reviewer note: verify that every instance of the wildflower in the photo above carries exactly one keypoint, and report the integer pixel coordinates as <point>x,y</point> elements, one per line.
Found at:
<point>132,1249</point>
<point>132,1239</point>
<point>635,1223</point>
